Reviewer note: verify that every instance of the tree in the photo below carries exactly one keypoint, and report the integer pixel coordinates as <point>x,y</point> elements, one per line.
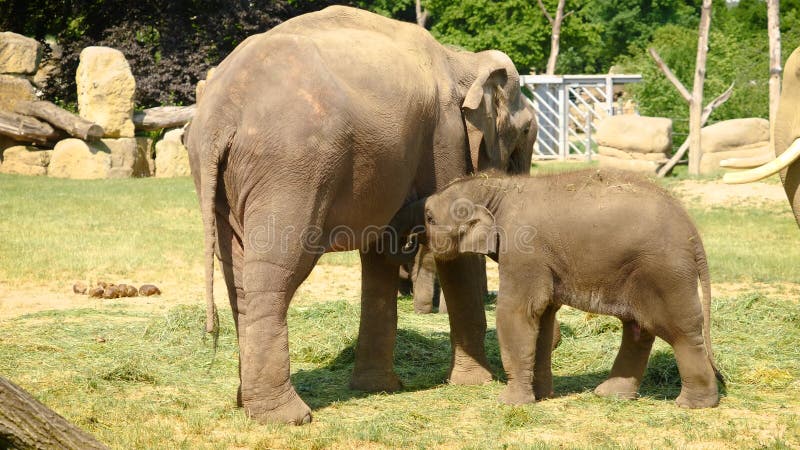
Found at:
<point>555,23</point>
<point>774,32</point>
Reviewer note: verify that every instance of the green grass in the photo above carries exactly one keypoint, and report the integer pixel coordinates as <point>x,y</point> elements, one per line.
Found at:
<point>140,377</point>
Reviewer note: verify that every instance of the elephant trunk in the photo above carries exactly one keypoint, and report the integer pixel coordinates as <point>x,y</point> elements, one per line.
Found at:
<point>785,139</point>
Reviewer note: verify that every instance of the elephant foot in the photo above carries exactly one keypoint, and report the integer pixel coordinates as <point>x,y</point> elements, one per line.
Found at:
<point>515,394</point>
<point>471,376</point>
<point>544,393</point>
<point>423,309</point>
<point>619,387</point>
<point>375,381</point>
<point>697,398</point>
<point>293,412</point>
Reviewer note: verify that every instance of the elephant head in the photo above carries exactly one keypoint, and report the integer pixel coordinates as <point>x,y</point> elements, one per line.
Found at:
<point>785,139</point>
<point>500,123</point>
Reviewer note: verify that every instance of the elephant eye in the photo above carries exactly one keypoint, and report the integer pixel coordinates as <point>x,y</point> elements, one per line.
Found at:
<point>429,218</point>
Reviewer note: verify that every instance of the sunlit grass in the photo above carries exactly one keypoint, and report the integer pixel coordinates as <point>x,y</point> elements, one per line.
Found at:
<point>148,378</point>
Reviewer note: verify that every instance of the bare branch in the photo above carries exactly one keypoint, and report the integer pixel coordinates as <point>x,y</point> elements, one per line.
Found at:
<point>695,112</point>
<point>670,76</point>
<point>422,16</point>
<point>714,104</point>
<point>544,11</point>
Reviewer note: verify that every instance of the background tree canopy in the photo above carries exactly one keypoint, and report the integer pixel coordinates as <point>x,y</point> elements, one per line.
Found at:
<point>171,44</point>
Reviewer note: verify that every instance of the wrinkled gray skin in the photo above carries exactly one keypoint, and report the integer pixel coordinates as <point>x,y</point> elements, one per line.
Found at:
<point>605,242</point>
<point>787,129</point>
<point>333,121</point>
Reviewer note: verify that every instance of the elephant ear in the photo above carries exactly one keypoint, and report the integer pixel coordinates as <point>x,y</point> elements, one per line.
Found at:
<point>479,234</point>
<point>484,107</point>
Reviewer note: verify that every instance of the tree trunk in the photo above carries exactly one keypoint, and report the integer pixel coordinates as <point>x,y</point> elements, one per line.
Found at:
<point>74,125</point>
<point>422,16</point>
<point>774,31</point>
<point>26,423</point>
<point>26,129</point>
<point>163,117</point>
<point>696,106</point>
<point>555,37</point>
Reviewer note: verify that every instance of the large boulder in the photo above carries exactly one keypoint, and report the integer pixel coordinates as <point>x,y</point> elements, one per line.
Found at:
<point>617,153</point>
<point>735,134</point>
<point>634,133</point>
<point>74,158</point>
<point>14,89</point>
<point>634,165</point>
<point>128,159</point>
<point>19,54</point>
<point>172,158</point>
<point>105,90</point>
<point>709,162</point>
<point>24,160</point>
<point>144,149</point>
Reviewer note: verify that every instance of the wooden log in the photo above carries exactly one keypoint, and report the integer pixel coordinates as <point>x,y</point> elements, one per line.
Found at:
<point>27,423</point>
<point>163,117</point>
<point>26,128</point>
<point>61,118</point>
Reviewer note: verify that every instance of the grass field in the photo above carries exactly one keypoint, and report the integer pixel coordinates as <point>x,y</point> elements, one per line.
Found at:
<point>139,373</point>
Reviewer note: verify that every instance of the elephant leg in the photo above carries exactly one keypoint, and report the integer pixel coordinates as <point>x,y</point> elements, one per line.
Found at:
<point>521,310</point>
<point>630,364</point>
<point>231,256</point>
<point>467,319</point>
<point>424,281</point>
<point>682,328</point>
<point>272,271</point>
<point>373,371</point>
<point>542,368</point>
<point>480,281</point>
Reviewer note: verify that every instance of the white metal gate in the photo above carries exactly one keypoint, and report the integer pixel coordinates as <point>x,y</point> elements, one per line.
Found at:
<point>567,109</point>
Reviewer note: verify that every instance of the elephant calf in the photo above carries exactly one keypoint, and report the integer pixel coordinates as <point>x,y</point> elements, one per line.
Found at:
<point>605,242</point>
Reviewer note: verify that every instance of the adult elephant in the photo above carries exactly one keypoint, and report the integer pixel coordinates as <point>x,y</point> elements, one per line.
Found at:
<point>308,139</point>
<point>785,139</point>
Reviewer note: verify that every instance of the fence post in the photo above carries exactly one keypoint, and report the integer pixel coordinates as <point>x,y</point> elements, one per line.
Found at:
<point>588,132</point>
<point>563,122</point>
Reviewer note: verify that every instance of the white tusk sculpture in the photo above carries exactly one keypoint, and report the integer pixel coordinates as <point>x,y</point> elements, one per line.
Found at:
<point>770,168</point>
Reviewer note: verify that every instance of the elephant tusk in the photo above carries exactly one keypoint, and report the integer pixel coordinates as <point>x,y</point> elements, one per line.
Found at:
<point>770,168</point>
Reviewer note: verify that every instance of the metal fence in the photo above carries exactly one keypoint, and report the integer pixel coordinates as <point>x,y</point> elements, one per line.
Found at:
<point>568,108</point>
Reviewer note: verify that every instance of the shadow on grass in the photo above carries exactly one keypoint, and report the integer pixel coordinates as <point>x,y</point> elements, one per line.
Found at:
<point>423,361</point>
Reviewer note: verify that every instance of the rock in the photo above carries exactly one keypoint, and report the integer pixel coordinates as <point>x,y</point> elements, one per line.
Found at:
<point>24,160</point>
<point>172,158</point>
<point>19,54</point>
<point>617,153</point>
<point>105,90</point>
<point>730,135</point>
<point>74,158</point>
<point>127,158</point>
<point>144,148</point>
<point>104,158</point>
<point>709,162</point>
<point>14,89</point>
<point>634,133</point>
<point>634,165</point>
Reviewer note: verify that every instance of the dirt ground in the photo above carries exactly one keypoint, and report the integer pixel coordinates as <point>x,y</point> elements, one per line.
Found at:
<point>340,282</point>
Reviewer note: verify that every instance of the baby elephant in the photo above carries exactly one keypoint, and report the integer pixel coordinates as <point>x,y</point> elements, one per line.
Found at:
<point>606,242</point>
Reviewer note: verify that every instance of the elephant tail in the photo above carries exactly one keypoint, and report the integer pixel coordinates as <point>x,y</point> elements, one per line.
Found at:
<point>216,149</point>
<point>705,284</point>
